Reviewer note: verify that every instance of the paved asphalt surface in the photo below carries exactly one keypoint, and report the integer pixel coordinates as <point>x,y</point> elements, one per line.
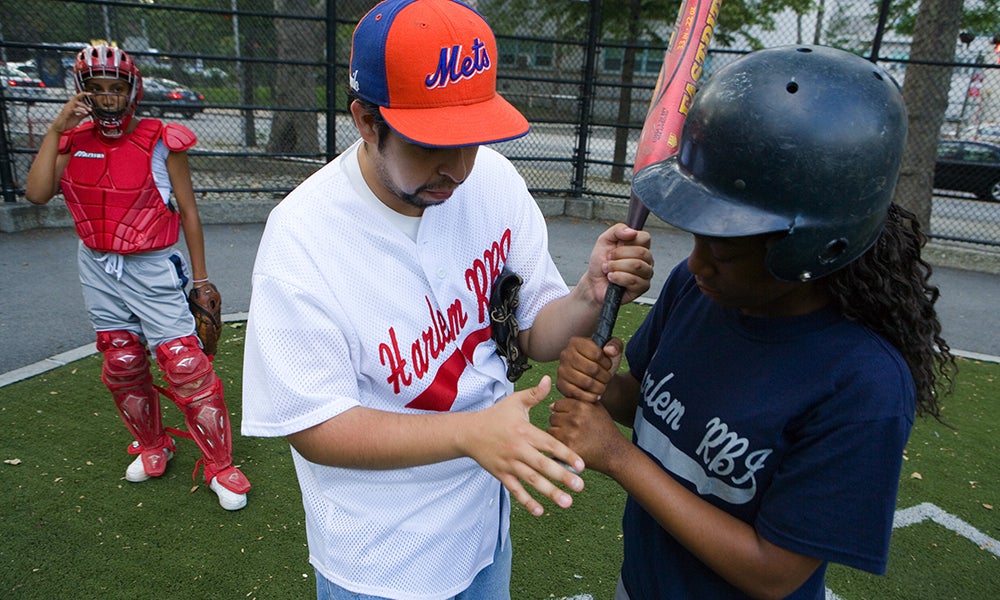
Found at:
<point>42,313</point>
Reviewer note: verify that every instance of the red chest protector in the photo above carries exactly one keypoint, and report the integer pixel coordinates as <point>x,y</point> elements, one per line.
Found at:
<point>110,191</point>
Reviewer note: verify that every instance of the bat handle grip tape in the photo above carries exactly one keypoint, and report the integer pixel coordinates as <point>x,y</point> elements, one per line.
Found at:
<point>609,314</point>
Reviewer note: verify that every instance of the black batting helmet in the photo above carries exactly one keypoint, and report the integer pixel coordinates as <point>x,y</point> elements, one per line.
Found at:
<point>805,140</point>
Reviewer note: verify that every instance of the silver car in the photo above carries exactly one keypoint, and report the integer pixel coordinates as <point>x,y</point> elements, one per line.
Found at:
<point>18,85</point>
<point>984,132</point>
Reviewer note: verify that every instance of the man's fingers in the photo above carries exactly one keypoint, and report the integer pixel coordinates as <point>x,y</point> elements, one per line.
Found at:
<point>538,465</point>
<point>541,480</point>
<point>533,395</point>
<point>522,496</point>
<point>623,233</point>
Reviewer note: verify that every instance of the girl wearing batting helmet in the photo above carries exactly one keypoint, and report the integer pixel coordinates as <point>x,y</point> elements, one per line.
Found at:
<point>772,387</point>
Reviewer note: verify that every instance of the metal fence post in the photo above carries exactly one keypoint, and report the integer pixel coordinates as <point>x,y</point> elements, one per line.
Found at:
<point>883,17</point>
<point>331,80</point>
<point>586,101</point>
<point>6,174</point>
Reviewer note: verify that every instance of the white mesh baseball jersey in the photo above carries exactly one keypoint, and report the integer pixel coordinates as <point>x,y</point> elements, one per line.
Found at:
<point>348,310</point>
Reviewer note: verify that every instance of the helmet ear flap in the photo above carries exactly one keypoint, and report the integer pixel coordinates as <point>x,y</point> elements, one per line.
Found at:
<point>816,253</point>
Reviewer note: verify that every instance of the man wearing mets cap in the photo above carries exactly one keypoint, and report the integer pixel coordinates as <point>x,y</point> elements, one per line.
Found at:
<point>370,341</point>
<point>431,67</point>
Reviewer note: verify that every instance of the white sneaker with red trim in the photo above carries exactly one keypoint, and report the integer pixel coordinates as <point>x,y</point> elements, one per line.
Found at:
<point>228,499</point>
<point>136,472</point>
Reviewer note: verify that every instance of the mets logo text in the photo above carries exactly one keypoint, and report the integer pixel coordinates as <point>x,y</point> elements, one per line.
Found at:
<point>454,65</point>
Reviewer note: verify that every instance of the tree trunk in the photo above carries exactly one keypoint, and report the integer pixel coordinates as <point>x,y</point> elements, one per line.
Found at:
<point>625,93</point>
<point>925,91</point>
<point>296,132</point>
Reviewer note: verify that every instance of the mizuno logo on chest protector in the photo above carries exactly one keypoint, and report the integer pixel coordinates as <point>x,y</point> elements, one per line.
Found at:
<point>85,154</point>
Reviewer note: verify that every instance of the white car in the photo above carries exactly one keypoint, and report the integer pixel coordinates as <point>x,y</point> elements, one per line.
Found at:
<point>27,67</point>
<point>984,132</point>
<point>18,85</point>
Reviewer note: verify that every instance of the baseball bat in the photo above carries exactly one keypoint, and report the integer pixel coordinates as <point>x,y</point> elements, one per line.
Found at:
<point>676,84</point>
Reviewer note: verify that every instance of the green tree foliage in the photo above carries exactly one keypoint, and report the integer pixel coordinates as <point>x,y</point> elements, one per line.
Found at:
<point>569,17</point>
<point>207,25</point>
<point>979,17</point>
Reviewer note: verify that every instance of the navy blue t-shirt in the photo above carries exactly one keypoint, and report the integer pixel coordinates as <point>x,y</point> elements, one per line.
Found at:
<point>794,425</point>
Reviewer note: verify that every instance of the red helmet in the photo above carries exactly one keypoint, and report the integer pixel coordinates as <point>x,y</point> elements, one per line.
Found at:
<point>109,62</point>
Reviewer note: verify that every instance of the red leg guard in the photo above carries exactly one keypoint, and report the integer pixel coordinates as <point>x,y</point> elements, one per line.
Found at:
<point>126,374</point>
<point>198,394</point>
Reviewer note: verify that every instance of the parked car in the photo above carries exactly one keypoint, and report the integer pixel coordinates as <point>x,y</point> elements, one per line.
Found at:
<point>207,72</point>
<point>968,166</point>
<point>984,132</point>
<point>18,85</point>
<point>27,67</point>
<point>161,96</point>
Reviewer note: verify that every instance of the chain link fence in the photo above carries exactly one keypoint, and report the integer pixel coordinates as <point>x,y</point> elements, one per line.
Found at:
<point>272,76</point>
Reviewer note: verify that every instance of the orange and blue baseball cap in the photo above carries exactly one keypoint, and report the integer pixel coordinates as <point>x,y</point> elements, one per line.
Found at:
<point>431,67</point>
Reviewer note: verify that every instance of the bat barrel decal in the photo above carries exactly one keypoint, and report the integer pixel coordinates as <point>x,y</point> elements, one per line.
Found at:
<point>682,67</point>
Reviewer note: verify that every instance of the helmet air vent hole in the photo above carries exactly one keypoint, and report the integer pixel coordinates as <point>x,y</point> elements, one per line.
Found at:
<point>832,251</point>
<point>877,75</point>
<point>792,87</point>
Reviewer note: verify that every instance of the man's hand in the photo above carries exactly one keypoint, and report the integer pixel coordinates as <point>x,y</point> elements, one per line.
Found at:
<point>622,256</point>
<point>505,443</point>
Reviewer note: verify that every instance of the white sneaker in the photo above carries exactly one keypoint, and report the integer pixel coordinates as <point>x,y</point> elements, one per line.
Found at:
<point>136,472</point>
<point>228,499</point>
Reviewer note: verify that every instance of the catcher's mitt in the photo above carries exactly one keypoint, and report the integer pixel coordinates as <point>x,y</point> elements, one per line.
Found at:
<point>206,306</point>
<point>504,298</point>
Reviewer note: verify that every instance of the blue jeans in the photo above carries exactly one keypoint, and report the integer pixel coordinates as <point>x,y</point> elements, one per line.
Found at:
<point>620,593</point>
<point>492,583</point>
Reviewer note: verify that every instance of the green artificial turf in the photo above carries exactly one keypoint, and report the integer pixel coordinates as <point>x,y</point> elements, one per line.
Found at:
<point>72,526</point>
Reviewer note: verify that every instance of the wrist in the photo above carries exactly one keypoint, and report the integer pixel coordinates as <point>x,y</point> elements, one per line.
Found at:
<point>618,458</point>
<point>464,430</point>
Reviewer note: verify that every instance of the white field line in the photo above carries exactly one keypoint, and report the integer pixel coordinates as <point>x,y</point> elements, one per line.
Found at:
<point>918,514</point>
<point>929,512</point>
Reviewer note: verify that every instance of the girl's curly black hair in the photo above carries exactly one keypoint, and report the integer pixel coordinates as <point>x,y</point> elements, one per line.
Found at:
<point>888,290</point>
